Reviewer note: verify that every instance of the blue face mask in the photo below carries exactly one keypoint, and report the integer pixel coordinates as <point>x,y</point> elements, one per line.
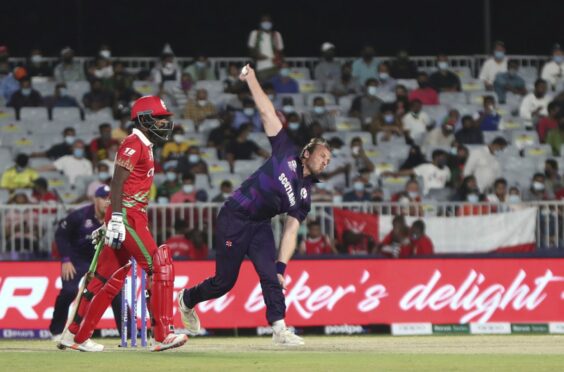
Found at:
<point>389,118</point>
<point>499,54</point>
<point>558,59</point>
<point>78,153</point>
<point>285,72</point>
<point>249,111</point>
<point>26,91</point>
<point>170,176</point>
<point>288,109</point>
<point>319,110</point>
<point>294,125</point>
<point>473,198</point>
<point>267,26</point>
<point>103,176</point>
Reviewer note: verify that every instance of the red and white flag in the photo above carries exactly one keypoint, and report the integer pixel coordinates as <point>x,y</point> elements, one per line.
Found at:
<point>357,222</point>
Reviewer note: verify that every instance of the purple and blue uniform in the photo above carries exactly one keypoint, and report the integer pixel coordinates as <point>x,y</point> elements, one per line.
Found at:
<point>244,227</point>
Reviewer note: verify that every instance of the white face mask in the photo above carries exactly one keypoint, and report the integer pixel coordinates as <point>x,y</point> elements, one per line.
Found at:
<point>266,25</point>
<point>442,65</point>
<point>538,186</point>
<point>355,150</point>
<point>513,199</point>
<point>372,90</point>
<point>193,158</point>
<point>337,199</point>
<point>36,58</point>
<point>188,188</point>
<point>202,102</point>
<point>294,126</point>
<point>69,140</point>
<point>288,109</point>
<point>162,200</point>
<point>473,198</point>
<point>384,76</point>
<point>63,92</point>
<point>358,186</point>
<point>226,195</point>
<point>413,194</point>
<point>105,53</point>
<point>319,110</point>
<point>249,111</point>
<point>178,138</point>
<point>170,176</point>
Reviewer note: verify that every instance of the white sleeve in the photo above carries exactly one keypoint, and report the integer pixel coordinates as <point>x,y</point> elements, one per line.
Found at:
<point>280,41</point>
<point>420,170</point>
<point>483,71</point>
<point>470,163</point>
<point>525,108</point>
<point>252,39</point>
<point>545,74</point>
<point>59,163</point>
<point>89,170</point>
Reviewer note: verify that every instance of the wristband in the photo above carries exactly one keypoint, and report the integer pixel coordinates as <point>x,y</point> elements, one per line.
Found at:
<point>65,259</point>
<point>280,267</point>
<point>117,214</point>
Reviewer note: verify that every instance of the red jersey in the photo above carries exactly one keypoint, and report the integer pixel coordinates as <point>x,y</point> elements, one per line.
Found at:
<point>422,246</point>
<point>181,247</point>
<point>136,155</point>
<point>320,245</point>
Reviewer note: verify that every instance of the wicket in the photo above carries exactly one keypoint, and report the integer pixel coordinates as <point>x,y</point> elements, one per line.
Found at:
<point>129,308</point>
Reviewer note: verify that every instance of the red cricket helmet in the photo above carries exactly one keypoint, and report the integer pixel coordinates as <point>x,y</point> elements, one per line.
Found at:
<point>152,105</point>
<point>151,113</point>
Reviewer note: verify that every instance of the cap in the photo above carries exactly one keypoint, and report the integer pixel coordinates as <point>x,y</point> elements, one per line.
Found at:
<point>152,105</point>
<point>20,73</point>
<point>102,191</point>
<point>42,182</point>
<point>327,46</point>
<point>66,50</point>
<point>556,47</point>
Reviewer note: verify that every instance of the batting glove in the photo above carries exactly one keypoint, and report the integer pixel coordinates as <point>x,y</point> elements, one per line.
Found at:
<point>98,234</point>
<point>115,234</point>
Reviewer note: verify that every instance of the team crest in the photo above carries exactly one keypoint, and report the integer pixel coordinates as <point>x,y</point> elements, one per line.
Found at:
<point>88,223</point>
<point>303,192</point>
<point>292,165</point>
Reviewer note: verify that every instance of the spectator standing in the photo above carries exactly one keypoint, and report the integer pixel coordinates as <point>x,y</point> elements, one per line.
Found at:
<point>555,137</point>
<point>167,69</point>
<point>365,67</point>
<point>553,71</point>
<point>442,136</point>
<point>483,163</point>
<point>266,48</point>
<point>327,71</point>
<point>444,80</point>
<point>537,191</point>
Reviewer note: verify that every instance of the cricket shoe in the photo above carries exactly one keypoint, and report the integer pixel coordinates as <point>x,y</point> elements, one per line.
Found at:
<point>170,342</point>
<point>189,316</point>
<point>286,337</point>
<point>67,341</point>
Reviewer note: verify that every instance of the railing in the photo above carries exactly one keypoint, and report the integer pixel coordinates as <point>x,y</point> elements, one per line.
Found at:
<point>29,229</point>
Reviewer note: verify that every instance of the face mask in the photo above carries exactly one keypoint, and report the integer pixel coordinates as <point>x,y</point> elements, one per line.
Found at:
<point>19,168</point>
<point>558,59</point>
<point>284,72</point>
<point>442,65</point>
<point>169,66</point>
<point>337,199</point>
<point>187,188</point>
<point>170,176</point>
<point>358,186</point>
<point>69,140</point>
<point>513,199</point>
<point>389,118</point>
<point>294,126</point>
<point>78,153</point>
<point>319,110</point>
<point>413,194</point>
<point>336,152</point>
<point>384,76</point>
<point>404,200</point>
<point>178,138</point>
<point>193,158</point>
<point>225,195</point>
<point>372,90</point>
<point>288,109</point>
<point>249,111</point>
<point>441,163</point>
<point>271,97</point>
<point>538,186</point>
<point>453,150</point>
<point>499,54</point>
<point>105,53</point>
<point>512,72</point>
<point>63,92</point>
<point>202,102</point>
<point>162,200</point>
<point>103,176</point>
<point>266,25</point>
<point>36,58</point>
<point>355,150</point>
<point>200,64</point>
<point>26,91</point>
<point>473,198</point>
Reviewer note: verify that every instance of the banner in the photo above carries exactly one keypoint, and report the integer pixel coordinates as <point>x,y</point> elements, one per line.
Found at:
<point>335,292</point>
<point>357,222</point>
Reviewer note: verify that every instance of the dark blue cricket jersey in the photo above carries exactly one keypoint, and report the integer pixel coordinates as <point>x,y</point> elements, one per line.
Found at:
<point>73,237</point>
<point>278,186</point>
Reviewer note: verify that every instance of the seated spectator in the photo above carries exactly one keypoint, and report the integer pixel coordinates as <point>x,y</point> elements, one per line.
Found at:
<point>468,191</point>
<point>59,149</point>
<point>60,98</point>
<point>283,83</point>
<point>535,104</point>
<point>297,130</point>
<point>201,69</point>
<point>337,171</point>
<point>103,177</point>
<point>416,122</point>
<point>315,130</point>
<point>410,195</point>
<point>470,134</point>
<point>249,114</point>
<point>456,161</point>
<point>553,180</point>
<point>287,107</point>
<point>68,69</point>
<point>41,193</point>
<point>37,65</point>
<point>368,104</point>
<point>192,162</point>
<point>327,71</point>
<point>186,83</point>
<point>386,83</point>
<point>236,103</point>
<point>439,137</point>
<point>171,185</point>
<point>402,67</point>
<point>200,108</point>
<point>537,191</point>
<point>499,194</point>
<point>232,84</point>
<point>396,241</point>
<point>242,148</point>
<point>177,147</point>
<point>73,165</point>
<point>10,81</point>
<point>356,244</point>
<point>98,98</point>
<point>315,242</point>
<point>222,135</point>
<point>387,123</point>
<point>444,80</point>
<point>489,118</point>
<point>552,72</point>
<point>509,81</point>
<point>226,189</point>
<point>453,118</point>
<point>20,176</point>
<point>188,192</point>
<point>555,137</point>
<point>420,244</point>
<point>414,158</point>
<point>361,164</point>
<point>547,123</point>
<point>359,192</point>
<point>125,125</point>
<point>320,114</point>
<point>365,67</point>
<point>346,84</point>
<point>494,65</point>
<point>102,69</point>
<point>121,80</point>
<point>21,226</point>
<point>26,96</point>
<point>425,94</point>
<point>179,243</point>
<point>99,146</point>
<point>167,69</point>
<point>484,164</point>
<point>322,192</point>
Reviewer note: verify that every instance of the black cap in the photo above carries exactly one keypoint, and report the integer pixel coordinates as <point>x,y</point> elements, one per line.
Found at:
<point>41,182</point>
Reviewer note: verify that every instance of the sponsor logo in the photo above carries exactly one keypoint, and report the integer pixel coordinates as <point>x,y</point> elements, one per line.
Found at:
<point>292,165</point>
<point>344,330</point>
<point>88,223</point>
<point>229,244</point>
<point>408,329</point>
<point>128,151</point>
<point>490,328</point>
<point>151,172</point>
<point>303,193</point>
<point>286,184</point>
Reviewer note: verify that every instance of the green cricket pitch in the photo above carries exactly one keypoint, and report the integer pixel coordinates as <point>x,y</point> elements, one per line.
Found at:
<point>321,353</point>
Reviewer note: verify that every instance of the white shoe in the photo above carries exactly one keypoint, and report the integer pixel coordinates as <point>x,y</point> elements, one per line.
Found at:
<point>286,337</point>
<point>189,316</point>
<point>56,338</point>
<point>67,341</point>
<point>170,342</point>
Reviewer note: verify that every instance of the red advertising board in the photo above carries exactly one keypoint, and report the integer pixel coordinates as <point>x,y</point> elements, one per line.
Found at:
<point>332,292</point>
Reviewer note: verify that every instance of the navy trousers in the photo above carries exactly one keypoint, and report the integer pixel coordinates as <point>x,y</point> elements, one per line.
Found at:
<point>237,236</point>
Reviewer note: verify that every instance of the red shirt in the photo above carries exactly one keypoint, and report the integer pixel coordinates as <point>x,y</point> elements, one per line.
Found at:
<point>389,240</point>
<point>427,96</point>
<point>422,247</point>
<point>136,155</point>
<point>320,245</point>
<point>181,247</point>
<point>544,125</point>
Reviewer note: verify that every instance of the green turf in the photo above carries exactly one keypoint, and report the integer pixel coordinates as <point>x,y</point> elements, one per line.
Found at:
<point>348,354</point>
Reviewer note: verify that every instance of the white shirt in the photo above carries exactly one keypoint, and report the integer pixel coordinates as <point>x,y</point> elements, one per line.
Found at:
<point>73,167</point>
<point>553,73</point>
<point>265,47</point>
<point>417,127</point>
<point>483,165</point>
<point>433,176</point>
<point>491,68</point>
<point>436,138</point>
<point>530,103</point>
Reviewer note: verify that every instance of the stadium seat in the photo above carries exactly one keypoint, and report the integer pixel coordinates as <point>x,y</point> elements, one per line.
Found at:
<point>329,98</point>
<point>213,87</point>
<point>39,162</point>
<point>202,182</point>
<point>66,114</point>
<point>145,87</point>
<point>345,124</point>
<point>522,139</point>
<point>298,98</point>
<point>78,89</point>
<point>218,178</point>
<point>436,113</point>
<point>466,109</point>
<point>472,85</point>
<point>4,196</point>
<point>512,123</point>
<point>261,140</point>
<point>220,100</point>
<point>44,87</point>
<point>477,97</point>
<point>195,139</point>
<point>7,115</point>
<point>98,117</point>
<point>55,179</point>
<point>528,73</point>
<point>386,96</point>
<point>446,98</point>
<point>300,73</point>
<point>34,113</point>
<point>246,167</point>
<point>208,125</point>
<point>309,86</point>
<point>5,158</point>
<point>345,102</point>
<point>208,154</point>
<point>536,151</point>
<point>365,136</point>
<point>218,166</point>
<point>464,73</point>
<point>489,136</point>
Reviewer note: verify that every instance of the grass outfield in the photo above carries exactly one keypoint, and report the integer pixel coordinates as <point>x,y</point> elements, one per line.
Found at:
<point>326,353</point>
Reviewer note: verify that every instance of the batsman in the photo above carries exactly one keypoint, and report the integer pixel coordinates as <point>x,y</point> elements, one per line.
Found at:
<point>127,235</point>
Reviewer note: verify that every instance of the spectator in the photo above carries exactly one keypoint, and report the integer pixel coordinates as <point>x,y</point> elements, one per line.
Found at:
<point>537,191</point>
<point>397,240</point>
<point>266,47</point>
<point>121,81</point>
<point>21,227</point>
<point>367,105</point>
<point>125,124</point>
<point>167,69</point>
<point>201,69</point>
<point>484,164</point>
<point>439,137</point>
<point>200,108</point>
<point>402,67</point>
<point>37,66</point>
<point>416,122</point>
<point>320,114</point>
<point>468,191</point>
<point>489,118</point>
<point>99,146</point>
<point>102,69</point>
<point>41,193</point>
<point>322,192</point>
<point>414,158</point>
<point>297,130</point>
<point>26,96</point>
<point>178,243</point>
<point>385,82</point>
<point>242,148</point>
<point>494,65</point>
<point>444,80</point>
<point>232,84</point>
<point>509,81</point>
<point>171,185</point>
<point>68,70</point>
<point>553,71</point>
<point>470,134</point>
<point>315,242</point>
<point>401,104</point>
<point>222,135</point>
<point>186,83</point>
<point>226,189</point>
<point>514,196</point>
<point>366,67</point>
<point>20,175</point>
<point>103,177</point>
<point>420,244</point>
<point>499,194</point>
<point>426,94</point>
<point>456,161</point>
<point>60,98</point>
<point>359,193</point>
<point>188,192</point>
<point>386,124</point>
<point>535,104</point>
<point>60,149</point>
<point>435,175</point>
<point>337,171</point>
<point>361,164</point>
<point>249,115</point>
<point>356,243</point>
<point>72,166</point>
<point>177,147</point>
<point>283,83</point>
<point>198,249</point>
<point>98,98</point>
<point>327,71</point>
<point>346,84</point>
<point>453,118</point>
<point>411,193</point>
<point>553,180</point>
<point>555,137</point>
<point>9,81</point>
<point>192,162</point>
<point>547,123</point>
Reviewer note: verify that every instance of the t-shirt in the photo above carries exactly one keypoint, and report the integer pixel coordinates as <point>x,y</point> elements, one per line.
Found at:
<point>416,125</point>
<point>433,176</point>
<point>422,246</point>
<point>267,44</point>
<point>136,155</point>
<point>278,186</point>
<point>59,150</point>
<point>491,68</point>
<point>483,165</point>
<point>242,150</point>
<point>73,167</point>
<point>319,245</point>
<point>440,81</point>
<point>427,96</point>
<point>12,179</point>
